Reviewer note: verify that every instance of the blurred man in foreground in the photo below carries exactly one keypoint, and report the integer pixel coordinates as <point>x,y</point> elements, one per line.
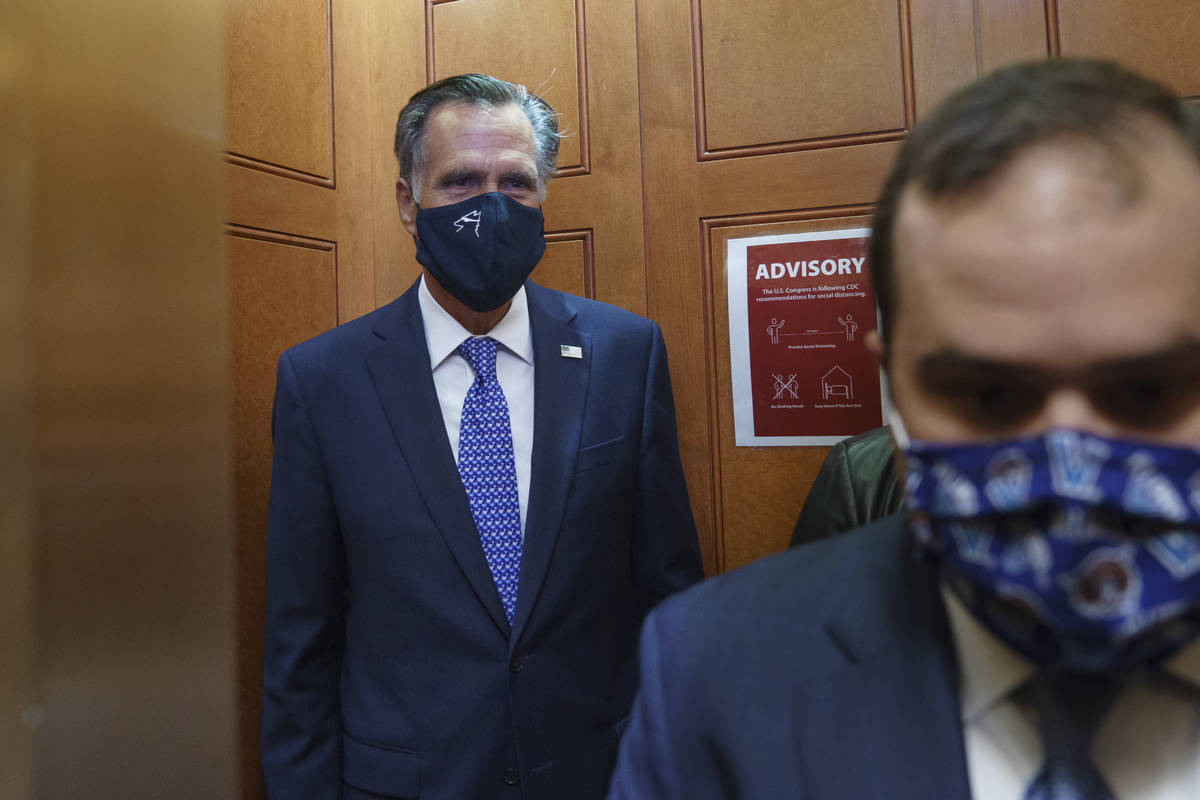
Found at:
<point>1026,629</point>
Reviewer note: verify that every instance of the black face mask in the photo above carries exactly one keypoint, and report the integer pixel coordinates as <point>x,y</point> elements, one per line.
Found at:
<point>482,249</point>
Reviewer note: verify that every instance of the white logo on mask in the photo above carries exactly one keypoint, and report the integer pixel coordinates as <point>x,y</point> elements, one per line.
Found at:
<point>1075,463</point>
<point>473,217</point>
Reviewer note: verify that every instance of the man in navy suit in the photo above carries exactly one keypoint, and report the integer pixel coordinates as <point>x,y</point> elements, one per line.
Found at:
<point>1027,627</point>
<point>476,498</point>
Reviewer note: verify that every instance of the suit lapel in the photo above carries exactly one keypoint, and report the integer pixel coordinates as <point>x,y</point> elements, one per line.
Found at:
<point>399,368</point>
<point>908,725</point>
<point>560,392</point>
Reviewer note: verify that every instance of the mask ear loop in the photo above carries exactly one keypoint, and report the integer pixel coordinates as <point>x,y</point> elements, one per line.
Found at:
<point>899,432</point>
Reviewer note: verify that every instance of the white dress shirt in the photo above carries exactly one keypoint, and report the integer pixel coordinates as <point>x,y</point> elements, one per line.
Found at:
<point>1148,747</point>
<point>453,376</point>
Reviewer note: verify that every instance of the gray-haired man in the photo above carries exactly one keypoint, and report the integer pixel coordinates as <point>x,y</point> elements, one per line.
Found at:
<point>476,498</point>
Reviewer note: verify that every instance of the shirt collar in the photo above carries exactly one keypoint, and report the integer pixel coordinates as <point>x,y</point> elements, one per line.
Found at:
<point>443,333</point>
<point>989,670</point>
<point>1186,663</point>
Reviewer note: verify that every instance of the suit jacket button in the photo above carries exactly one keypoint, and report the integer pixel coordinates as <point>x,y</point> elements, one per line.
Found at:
<point>512,777</point>
<point>517,664</point>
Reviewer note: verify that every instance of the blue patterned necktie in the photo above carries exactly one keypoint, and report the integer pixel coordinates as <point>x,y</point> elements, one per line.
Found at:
<point>1069,714</point>
<point>488,470</point>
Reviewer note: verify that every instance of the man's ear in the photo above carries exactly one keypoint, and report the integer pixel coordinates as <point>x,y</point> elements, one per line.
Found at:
<point>874,344</point>
<point>407,205</point>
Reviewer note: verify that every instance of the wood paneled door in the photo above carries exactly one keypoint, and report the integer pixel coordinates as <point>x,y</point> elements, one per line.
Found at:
<point>688,121</point>
<point>778,116</point>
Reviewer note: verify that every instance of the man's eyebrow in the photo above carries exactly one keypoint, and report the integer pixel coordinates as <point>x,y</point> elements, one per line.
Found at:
<point>951,363</point>
<point>1183,355</point>
<point>520,175</point>
<point>455,175</point>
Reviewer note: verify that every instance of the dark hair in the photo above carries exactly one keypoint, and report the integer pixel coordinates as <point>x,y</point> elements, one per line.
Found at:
<point>981,127</point>
<point>481,90</point>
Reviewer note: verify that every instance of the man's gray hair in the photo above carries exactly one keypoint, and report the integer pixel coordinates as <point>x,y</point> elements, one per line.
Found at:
<point>481,90</point>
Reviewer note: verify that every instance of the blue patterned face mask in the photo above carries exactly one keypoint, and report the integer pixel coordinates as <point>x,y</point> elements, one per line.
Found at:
<point>1080,552</point>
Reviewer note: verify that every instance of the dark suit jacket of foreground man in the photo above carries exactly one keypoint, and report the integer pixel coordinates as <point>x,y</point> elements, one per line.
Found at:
<point>826,673</point>
<point>389,663</point>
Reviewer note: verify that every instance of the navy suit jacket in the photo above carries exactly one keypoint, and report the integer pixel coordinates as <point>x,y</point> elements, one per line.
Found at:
<point>390,669</point>
<point>824,673</point>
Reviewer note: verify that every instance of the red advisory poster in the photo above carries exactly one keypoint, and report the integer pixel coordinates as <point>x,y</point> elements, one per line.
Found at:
<point>800,307</point>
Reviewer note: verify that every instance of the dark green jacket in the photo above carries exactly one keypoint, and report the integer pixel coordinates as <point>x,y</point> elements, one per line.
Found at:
<point>857,484</point>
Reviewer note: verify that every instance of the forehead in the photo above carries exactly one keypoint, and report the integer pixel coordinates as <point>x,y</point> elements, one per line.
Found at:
<point>464,134</point>
<point>1062,257</point>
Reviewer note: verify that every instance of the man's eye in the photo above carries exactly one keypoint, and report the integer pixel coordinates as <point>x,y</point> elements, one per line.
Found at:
<point>1147,402</point>
<point>995,404</point>
<point>992,396</point>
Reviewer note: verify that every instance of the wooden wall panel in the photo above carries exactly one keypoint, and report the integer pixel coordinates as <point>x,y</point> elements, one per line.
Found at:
<point>1011,30</point>
<point>691,201</point>
<point>688,121</point>
<point>275,203</point>
<point>945,50</point>
<point>590,51</point>
<point>283,290</point>
<point>674,280</point>
<point>397,70</point>
<point>955,41</point>
<point>714,157</point>
<point>765,484</point>
<point>834,177</point>
<point>567,264</point>
<point>486,36</point>
<point>352,101</point>
<point>1158,39</point>
<point>838,64</point>
<point>608,200</point>
<point>294,211</point>
<point>280,99</point>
